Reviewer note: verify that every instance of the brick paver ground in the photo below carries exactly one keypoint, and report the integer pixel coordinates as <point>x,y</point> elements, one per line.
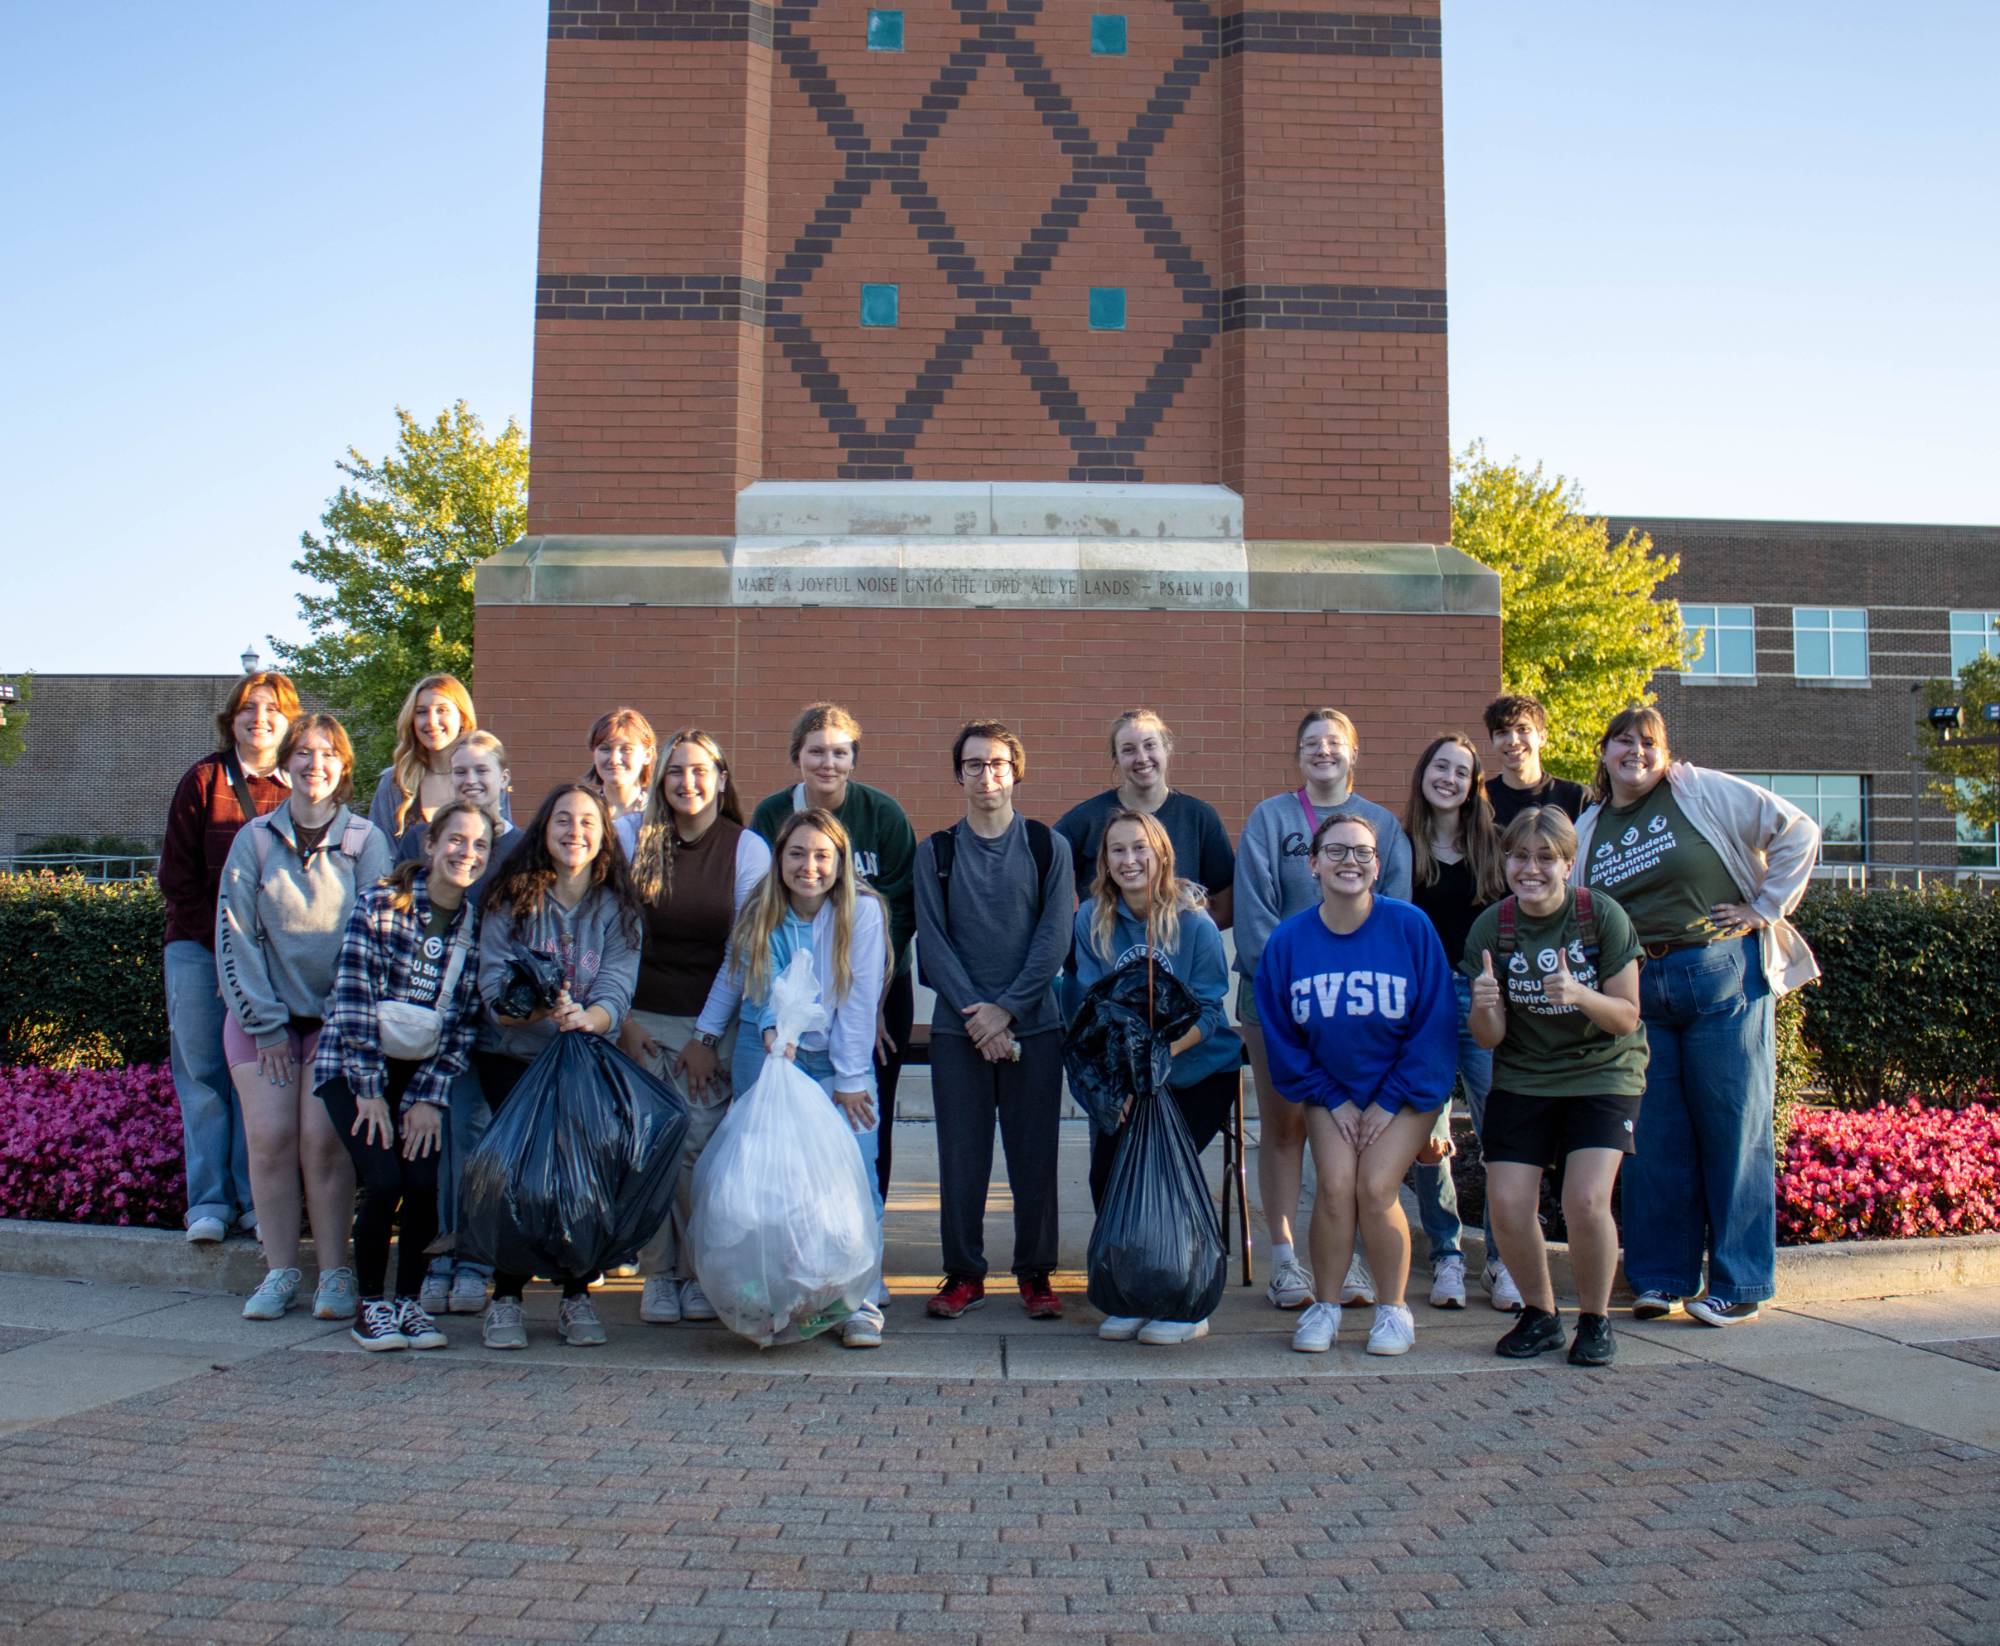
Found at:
<point>323,1497</point>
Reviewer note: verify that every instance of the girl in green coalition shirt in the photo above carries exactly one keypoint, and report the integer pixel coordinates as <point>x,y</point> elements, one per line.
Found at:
<point>1555,993</point>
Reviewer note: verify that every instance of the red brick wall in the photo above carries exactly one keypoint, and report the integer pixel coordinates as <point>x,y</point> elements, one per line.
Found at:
<point>1230,684</point>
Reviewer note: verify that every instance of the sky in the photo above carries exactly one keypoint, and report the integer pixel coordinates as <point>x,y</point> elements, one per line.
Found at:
<point>1705,258</point>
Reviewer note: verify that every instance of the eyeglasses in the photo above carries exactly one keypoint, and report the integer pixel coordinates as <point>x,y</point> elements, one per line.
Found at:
<point>978,768</point>
<point>1313,745</point>
<point>1335,853</point>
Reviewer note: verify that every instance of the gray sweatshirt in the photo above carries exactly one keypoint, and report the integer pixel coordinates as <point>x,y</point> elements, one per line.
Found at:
<point>1000,942</point>
<point>278,930</point>
<point>597,949</point>
<point>1273,866</point>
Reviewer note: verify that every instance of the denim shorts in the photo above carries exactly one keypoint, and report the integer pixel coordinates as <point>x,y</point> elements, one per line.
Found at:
<point>1246,1002</point>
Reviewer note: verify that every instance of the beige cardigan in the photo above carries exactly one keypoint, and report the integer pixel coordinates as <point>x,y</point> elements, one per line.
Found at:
<point>1768,846</point>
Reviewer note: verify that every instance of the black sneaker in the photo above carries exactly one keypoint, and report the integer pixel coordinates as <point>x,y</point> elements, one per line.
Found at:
<point>1537,1332</point>
<point>1594,1345</point>
<point>378,1326</point>
<point>419,1331</point>
<point>1712,1311</point>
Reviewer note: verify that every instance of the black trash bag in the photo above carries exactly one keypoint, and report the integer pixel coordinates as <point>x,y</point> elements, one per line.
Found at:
<point>1156,1253</point>
<point>533,981</point>
<point>1111,1053</point>
<point>578,1169</point>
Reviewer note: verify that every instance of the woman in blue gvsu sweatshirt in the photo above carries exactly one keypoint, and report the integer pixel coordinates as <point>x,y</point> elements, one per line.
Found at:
<point>1361,1027</point>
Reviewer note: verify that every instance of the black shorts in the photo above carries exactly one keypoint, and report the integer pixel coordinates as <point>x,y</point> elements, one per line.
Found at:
<point>1542,1131</point>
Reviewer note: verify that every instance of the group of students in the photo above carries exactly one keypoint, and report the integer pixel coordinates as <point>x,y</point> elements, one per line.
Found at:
<point>1597,970</point>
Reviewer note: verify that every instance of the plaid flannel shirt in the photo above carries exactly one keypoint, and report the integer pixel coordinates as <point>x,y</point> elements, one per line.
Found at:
<point>376,958</point>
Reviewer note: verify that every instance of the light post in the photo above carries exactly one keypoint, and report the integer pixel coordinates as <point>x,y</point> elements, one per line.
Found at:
<point>250,659</point>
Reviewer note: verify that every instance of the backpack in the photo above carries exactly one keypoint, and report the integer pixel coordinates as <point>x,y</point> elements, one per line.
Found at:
<point>1586,923</point>
<point>944,850</point>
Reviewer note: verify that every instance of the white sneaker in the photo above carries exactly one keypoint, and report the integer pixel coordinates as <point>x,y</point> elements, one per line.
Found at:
<point>1120,1328</point>
<point>1500,1288</point>
<point>1291,1286</point>
<point>434,1295</point>
<point>337,1296</point>
<point>1395,1330</point>
<point>1359,1286</point>
<point>276,1293</point>
<point>1172,1331</point>
<point>1448,1283</point>
<point>1318,1327</point>
<point>468,1292</point>
<point>694,1302</point>
<point>206,1231</point>
<point>660,1302</point>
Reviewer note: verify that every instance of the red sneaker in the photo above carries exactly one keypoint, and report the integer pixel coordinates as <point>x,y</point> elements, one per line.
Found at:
<point>955,1296</point>
<point>1039,1298</point>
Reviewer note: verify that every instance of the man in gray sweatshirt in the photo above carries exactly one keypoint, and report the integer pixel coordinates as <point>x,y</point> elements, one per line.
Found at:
<point>995,899</point>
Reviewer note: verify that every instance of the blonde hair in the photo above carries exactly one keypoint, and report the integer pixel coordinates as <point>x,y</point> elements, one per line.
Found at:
<point>1478,834</point>
<point>410,763</point>
<point>1167,895</point>
<point>1139,717</point>
<point>1640,717</point>
<point>402,879</point>
<point>766,910</point>
<point>1334,718</point>
<point>824,717</point>
<point>653,856</point>
<point>1547,823</point>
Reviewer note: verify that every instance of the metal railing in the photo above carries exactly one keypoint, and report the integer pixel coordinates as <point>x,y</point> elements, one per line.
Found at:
<point>92,867</point>
<point>1869,877</point>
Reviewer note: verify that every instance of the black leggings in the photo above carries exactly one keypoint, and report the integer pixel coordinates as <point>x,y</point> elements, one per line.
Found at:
<point>395,1193</point>
<point>899,1012</point>
<point>498,1076</point>
<point>1205,1106</point>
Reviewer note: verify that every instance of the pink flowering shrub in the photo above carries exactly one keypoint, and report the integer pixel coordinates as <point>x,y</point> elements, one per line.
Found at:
<point>1889,1173</point>
<point>92,1146</point>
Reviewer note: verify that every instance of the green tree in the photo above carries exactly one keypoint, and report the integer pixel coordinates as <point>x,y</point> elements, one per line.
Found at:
<point>403,539</point>
<point>1965,777</point>
<point>1583,627</point>
<point>14,719</point>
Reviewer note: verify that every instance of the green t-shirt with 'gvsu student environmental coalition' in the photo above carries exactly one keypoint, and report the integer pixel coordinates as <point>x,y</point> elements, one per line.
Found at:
<point>1664,875</point>
<point>1555,1051</point>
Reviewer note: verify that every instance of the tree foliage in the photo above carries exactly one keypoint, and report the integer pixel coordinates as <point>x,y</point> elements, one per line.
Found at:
<point>13,735</point>
<point>403,539</point>
<point>1583,627</point>
<point>1965,777</point>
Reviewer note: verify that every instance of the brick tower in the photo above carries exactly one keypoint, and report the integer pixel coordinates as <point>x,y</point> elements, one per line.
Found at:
<point>1026,357</point>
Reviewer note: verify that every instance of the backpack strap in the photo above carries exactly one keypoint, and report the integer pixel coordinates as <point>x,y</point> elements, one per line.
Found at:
<point>1510,924</point>
<point>354,838</point>
<point>1586,921</point>
<point>1041,846</point>
<point>239,785</point>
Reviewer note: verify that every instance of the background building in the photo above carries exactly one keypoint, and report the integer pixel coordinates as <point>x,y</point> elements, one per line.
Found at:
<point>1818,639</point>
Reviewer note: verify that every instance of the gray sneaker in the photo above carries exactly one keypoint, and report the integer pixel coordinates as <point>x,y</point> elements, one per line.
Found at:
<point>434,1295</point>
<point>337,1296</point>
<point>468,1292</point>
<point>504,1328</point>
<point>694,1302</point>
<point>577,1320</point>
<point>278,1291</point>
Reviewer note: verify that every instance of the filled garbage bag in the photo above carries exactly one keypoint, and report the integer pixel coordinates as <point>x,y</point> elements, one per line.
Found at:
<point>1112,1053</point>
<point>1156,1252</point>
<point>578,1169</point>
<point>783,1235</point>
<point>534,980</point>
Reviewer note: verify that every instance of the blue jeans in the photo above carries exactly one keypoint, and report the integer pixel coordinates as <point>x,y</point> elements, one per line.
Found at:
<point>1437,1195</point>
<point>1705,1175</point>
<point>465,1123</point>
<point>218,1159</point>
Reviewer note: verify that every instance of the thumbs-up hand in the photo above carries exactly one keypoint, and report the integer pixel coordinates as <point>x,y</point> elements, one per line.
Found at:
<point>1562,988</point>
<point>1486,987</point>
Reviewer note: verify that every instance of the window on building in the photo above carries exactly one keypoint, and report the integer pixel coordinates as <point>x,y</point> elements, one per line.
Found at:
<point>1971,634</point>
<point>1977,848</point>
<point>1729,642</point>
<point>1837,802</point>
<point>1830,642</point>
<point>885,30</point>
<point>1107,34</point>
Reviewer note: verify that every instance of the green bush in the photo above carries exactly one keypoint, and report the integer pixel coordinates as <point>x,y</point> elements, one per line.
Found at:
<point>81,985</point>
<point>1909,1001</point>
<point>1798,1068</point>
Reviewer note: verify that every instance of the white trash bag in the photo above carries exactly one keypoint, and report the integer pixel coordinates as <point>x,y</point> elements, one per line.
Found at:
<point>783,1234</point>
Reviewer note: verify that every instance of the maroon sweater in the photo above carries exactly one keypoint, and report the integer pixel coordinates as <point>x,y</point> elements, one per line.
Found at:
<point>201,822</point>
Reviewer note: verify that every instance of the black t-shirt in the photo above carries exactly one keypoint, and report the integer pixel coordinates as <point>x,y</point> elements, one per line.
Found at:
<point>1508,804</point>
<point>1452,903</point>
<point>1201,844</point>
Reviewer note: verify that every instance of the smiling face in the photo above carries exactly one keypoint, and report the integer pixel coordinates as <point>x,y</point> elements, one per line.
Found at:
<point>1345,863</point>
<point>1536,874</point>
<point>1635,760</point>
<point>259,727</point>
<point>1141,752</point>
<point>692,781</point>
<point>315,768</point>
<point>1128,857</point>
<point>810,863</point>
<point>459,856</point>
<point>986,773</point>
<point>575,834</point>
<point>1325,755</point>
<point>478,777</point>
<point>1518,747</point>
<point>1448,778</point>
<point>621,762</point>
<point>436,721</point>
<point>826,763</point>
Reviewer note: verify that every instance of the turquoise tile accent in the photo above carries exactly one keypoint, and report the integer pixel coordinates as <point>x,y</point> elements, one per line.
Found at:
<point>885,33</point>
<point>1107,308</point>
<point>1107,34</point>
<point>879,306</point>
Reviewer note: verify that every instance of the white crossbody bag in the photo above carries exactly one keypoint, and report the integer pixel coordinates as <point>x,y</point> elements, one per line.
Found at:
<point>411,1033</point>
